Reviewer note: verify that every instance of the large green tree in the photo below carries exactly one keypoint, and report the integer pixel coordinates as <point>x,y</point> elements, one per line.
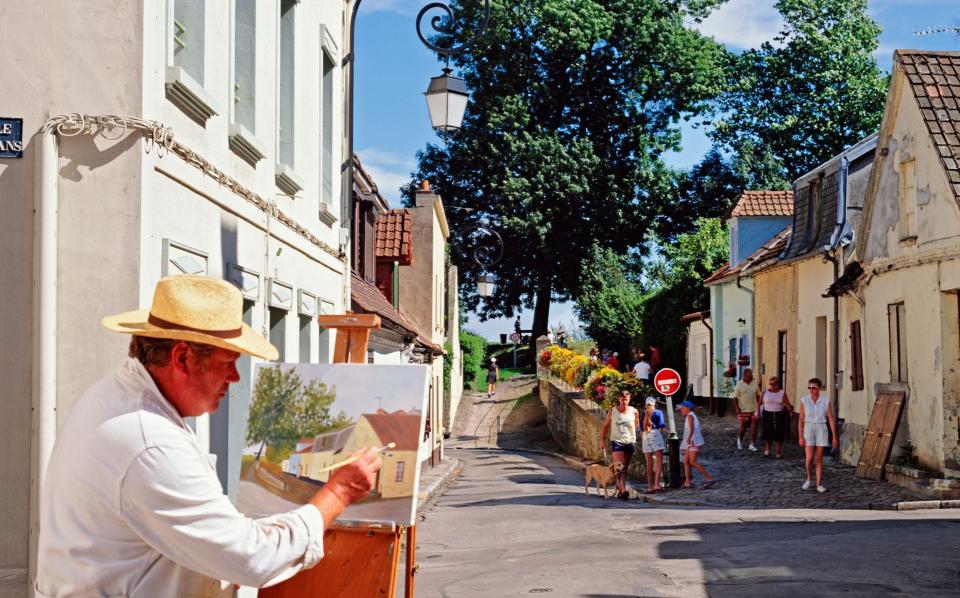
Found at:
<point>813,91</point>
<point>676,288</point>
<point>610,300</point>
<point>573,103</point>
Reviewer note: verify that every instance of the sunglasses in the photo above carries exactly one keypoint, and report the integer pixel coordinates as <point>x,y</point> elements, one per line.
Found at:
<point>813,388</point>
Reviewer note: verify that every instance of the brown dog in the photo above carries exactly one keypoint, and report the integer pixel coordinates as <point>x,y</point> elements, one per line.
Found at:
<point>603,475</point>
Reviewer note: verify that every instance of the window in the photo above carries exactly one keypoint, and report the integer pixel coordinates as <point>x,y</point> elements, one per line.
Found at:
<point>782,358</point>
<point>732,351</point>
<point>277,332</point>
<point>306,335</point>
<point>244,64</point>
<point>287,74</point>
<point>856,356</point>
<point>897,321</point>
<point>326,130</point>
<point>400,467</point>
<point>908,200</point>
<point>188,37</point>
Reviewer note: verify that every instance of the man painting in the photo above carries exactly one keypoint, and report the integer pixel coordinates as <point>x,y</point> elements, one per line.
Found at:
<point>745,396</point>
<point>134,507</point>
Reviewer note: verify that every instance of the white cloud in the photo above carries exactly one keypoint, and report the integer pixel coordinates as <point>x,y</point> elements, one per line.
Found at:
<point>389,170</point>
<point>743,23</point>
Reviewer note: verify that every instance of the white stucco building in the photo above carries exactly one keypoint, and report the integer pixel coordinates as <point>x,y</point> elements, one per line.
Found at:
<point>222,156</point>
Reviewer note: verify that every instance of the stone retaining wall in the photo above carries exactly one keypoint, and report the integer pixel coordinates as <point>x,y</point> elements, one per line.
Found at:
<point>575,424</point>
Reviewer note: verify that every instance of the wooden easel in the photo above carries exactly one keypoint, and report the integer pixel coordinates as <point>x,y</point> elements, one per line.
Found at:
<point>357,562</point>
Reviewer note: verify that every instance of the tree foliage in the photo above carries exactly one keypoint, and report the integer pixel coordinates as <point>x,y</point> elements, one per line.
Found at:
<point>283,410</point>
<point>811,93</point>
<point>573,103</point>
<point>676,286</point>
<point>474,351</point>
<point>610,301</point>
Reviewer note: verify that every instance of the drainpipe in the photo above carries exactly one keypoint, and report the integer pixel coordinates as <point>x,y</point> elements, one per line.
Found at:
<point>45,242</point>
<point>746,290</point>
<point>703,319</point>
<point>396,285</point>
<point>836,341</point>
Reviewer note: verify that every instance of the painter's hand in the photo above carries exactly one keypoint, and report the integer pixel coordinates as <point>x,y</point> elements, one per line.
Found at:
<point>354,481</point>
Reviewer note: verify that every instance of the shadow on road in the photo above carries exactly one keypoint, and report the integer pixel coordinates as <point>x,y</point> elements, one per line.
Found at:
<point>803,558</point>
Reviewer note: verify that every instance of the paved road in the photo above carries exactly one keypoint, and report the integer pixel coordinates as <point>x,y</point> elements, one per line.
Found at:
<point>516,524</point>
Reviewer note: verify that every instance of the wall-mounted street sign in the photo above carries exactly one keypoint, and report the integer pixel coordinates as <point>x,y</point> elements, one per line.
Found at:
<point>11,137</point>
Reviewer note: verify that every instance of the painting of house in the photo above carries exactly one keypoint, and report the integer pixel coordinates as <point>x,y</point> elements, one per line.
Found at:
<point>335,410</point>
<point>899,290</point>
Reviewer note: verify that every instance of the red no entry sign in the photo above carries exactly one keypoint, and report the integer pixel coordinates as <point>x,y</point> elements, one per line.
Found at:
<point>667,382</point>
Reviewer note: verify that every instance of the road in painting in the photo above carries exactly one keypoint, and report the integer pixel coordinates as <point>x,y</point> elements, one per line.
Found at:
<point>306,417</point>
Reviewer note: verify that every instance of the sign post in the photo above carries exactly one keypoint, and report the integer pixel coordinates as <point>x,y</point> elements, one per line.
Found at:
<point>515,337</point>
<point>667,382</point>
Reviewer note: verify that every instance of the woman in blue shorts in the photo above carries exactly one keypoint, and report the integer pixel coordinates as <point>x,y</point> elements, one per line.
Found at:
<point>621,427</point>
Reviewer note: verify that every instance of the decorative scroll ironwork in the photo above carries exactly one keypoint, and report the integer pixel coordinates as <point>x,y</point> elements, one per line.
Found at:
<point>488,246</point>
<point>444,24</point>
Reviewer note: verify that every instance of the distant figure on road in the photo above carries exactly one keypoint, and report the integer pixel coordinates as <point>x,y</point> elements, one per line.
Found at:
<point>745,398</point>
<point>621,427</point>
<point>652,443</point>
<point>493,376</point>
<point>642,368</point>
<point>815,415</point>
<point>775,410</point>
<point>691,444</point>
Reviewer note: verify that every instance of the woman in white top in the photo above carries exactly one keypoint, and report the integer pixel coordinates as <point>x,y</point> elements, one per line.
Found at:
<point>621,427</point>
<point>815,415</point>
<point>691,444</point>
<point>774,411</point>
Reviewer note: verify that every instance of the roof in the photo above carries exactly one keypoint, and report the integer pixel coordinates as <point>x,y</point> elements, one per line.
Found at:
<point>394,241</point>
<point>697,315</point>
<point>764,203</point>
<point>337,440</point>
<point>368,298</point>
<point>934,77</point>
<point>403,429</point>
<point>366,186</point>
<point>765,255</point>
<point>306,449</point>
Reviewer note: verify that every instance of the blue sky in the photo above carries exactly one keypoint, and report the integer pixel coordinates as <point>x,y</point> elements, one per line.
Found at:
<point>393,69</point>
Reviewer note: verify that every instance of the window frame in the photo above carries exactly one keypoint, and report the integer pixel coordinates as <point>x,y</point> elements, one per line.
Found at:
<point>897,341</point>
<point>856,356</point>
<point>782,369</point>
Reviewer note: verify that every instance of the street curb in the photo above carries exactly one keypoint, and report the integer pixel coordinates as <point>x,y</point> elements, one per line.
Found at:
<point>919,505</point>
<point>436,486</point>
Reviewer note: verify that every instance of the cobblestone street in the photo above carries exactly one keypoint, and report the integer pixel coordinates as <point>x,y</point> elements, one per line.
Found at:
<point>748,479</point>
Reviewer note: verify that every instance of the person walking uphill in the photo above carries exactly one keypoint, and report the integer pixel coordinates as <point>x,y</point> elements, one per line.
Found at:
<point>621,427</point>
<point>815,415</point>
<point>134,507</point>
<point>493,376</point>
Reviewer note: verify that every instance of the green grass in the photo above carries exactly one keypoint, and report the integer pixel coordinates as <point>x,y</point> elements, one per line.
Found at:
<point>479,382</point>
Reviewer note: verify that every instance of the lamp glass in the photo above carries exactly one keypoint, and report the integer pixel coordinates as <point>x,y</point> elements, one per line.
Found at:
<point>446,101</point>
<point>485,286</point>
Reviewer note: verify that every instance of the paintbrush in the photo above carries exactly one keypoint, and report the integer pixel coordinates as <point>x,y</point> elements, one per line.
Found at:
<point>392,445</point>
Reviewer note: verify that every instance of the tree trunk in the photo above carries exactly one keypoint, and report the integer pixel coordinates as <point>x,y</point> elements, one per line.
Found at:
<point>541,314</point>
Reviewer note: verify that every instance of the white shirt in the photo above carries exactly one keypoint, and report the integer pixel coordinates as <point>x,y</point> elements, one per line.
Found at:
<point>642,370</point>
<point>815,413</point>
<point>132,507</point>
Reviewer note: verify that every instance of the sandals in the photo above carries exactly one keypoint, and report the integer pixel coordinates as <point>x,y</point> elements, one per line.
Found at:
<point>779,456</point>
<point>709,483</point>
<point>687,487</point>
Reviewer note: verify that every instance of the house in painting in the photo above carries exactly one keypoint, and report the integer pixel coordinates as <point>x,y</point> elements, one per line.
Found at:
<point>899,291</point>
<point>292,464</point>
<point>327,450</point>
<point>757,217</point>
<point>398,472</point>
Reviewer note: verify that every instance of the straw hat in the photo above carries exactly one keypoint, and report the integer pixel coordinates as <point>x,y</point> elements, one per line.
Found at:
<point>198,309</point>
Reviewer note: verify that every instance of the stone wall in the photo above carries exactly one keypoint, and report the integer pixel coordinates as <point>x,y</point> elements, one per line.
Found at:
<point>575,424</point>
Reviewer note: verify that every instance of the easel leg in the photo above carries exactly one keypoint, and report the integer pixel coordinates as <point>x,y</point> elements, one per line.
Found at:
<point>411,561</point>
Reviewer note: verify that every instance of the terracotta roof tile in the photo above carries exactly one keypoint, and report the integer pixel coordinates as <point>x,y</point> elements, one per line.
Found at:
<point>402,429</point>
<point>395,237</point>
<point>933,77</point>
<point>764,203</point>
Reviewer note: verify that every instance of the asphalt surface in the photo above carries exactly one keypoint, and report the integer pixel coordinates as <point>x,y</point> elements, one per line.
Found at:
<point>519,524</point>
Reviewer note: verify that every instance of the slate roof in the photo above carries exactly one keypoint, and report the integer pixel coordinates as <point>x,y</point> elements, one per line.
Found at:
<point>402,429</point>
<point>934,78</point>
<point>337,440</point>
<point>394,238</point>
<point>767,254</point>
<point>764,203</point>
<point>815,225</point>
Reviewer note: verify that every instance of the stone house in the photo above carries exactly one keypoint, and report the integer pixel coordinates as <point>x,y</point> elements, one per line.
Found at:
<point>204,137</point>
<point>755,219</point>
<point>899,289</point>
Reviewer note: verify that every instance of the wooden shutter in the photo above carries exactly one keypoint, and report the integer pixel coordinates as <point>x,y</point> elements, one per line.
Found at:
<point>856,356</point>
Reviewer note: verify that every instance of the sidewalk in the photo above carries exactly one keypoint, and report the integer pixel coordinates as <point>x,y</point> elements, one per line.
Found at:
<point>433,480</point>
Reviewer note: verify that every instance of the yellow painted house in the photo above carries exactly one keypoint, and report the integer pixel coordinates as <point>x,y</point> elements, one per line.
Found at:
<point>398,473</point>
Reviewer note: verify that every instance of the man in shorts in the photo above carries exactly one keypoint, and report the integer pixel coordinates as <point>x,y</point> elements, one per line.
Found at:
<point>745,396</point>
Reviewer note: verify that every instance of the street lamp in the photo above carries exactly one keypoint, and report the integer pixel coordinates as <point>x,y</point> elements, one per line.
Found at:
<point>447,95</point>
<point>485,286</point>
<point>446,101</point>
